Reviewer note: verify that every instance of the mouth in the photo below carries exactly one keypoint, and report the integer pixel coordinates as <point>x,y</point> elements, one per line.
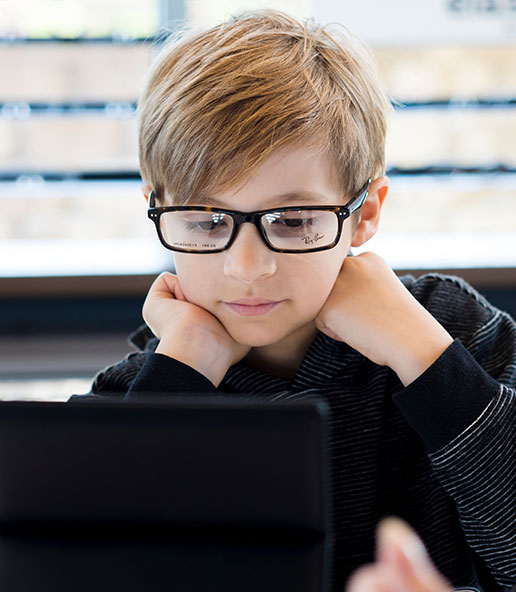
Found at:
<point>247,307</point>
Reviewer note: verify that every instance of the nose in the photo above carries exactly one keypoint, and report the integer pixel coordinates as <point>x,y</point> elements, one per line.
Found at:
<point>249,258</point>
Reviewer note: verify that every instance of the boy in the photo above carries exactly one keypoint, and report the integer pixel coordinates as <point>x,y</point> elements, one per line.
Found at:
<point>262,153</point>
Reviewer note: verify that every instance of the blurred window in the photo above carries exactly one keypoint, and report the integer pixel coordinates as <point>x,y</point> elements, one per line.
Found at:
<point>73,19</point>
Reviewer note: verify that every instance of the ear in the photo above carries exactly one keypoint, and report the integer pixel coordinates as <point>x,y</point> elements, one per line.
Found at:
<point>146,189</point>
<point>370,211</point>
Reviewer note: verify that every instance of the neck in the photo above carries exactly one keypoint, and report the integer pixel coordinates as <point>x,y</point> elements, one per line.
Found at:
<point>283,357</point>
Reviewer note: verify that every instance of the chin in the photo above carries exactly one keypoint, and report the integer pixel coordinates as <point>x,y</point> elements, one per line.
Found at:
<point>255,336</point>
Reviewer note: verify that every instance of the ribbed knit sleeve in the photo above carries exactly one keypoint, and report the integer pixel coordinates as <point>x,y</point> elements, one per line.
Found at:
<point>162,375</point>
<point>465,413</point>
<point>478,469</point>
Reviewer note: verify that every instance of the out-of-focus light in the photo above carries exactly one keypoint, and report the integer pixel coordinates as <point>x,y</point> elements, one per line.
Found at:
<point>18,111</point>
<point>30,181</point>
<point>117,110</point>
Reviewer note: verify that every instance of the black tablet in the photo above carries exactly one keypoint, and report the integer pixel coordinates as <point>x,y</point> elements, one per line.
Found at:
<point>209,484</point>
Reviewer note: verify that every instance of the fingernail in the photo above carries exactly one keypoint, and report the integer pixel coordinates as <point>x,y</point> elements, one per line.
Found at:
<point>393,531</point>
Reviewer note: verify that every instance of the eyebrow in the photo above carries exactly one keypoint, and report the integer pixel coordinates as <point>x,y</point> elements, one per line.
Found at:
<point>303,197</point>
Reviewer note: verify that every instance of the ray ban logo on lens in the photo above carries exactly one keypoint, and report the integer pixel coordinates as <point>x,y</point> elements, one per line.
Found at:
<point>310,240</point>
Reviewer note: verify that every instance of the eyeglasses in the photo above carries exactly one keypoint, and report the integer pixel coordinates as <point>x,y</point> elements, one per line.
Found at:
<point>294,229</point>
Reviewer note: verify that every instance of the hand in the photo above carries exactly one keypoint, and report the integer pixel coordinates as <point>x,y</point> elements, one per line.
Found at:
<point>402,564</point>
<point>371,310</point>
<point>187,332</point>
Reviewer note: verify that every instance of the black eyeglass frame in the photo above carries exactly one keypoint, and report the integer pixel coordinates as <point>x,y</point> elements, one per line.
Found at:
<point>342,212</point>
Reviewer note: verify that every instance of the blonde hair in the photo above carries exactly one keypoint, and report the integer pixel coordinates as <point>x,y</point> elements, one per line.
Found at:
<point>217,102</point>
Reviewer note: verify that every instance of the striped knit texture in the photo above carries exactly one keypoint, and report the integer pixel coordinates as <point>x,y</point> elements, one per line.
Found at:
<point>461,499</point>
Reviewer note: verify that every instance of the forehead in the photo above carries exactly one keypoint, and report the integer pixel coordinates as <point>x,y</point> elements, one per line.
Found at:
<point>297,197</point>
<point>291,176</point>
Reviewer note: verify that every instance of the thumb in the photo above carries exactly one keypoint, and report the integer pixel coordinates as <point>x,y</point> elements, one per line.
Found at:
<point>400,547</point>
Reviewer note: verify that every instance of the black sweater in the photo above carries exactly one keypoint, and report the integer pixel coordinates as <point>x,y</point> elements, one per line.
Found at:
<point>441,452</point>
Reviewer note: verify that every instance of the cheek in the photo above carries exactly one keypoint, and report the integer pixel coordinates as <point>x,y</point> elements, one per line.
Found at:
<point>195,273</point>
<point>314,281</point>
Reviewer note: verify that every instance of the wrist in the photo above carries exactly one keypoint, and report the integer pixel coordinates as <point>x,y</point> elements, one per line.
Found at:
<point>420,355</point>
<point>209,360</point>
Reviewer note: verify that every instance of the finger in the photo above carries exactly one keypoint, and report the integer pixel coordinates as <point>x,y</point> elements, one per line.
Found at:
<point>391,533</point>
<point>324,329</point>
<point>399,547</point>
<point>371,255</point>
<point>179,294</point>
<point>164,285</point>
<point>374,578</point>
<point>162,289</point>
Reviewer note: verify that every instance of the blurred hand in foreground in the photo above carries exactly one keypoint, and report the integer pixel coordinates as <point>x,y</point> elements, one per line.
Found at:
<point>402,564</point>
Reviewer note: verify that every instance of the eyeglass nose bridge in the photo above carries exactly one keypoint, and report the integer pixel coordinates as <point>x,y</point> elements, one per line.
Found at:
<point>240,218</point>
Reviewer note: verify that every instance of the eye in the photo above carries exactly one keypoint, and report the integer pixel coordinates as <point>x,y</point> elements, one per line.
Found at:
<point>207,223</point>
<point>295,222</point>
<point>211,224</point>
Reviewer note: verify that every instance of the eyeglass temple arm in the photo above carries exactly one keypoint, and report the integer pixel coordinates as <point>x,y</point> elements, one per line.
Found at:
<point>359,199</point>
<point>152,199</point>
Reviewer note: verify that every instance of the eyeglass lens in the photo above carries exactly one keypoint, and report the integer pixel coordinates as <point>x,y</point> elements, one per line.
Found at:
<point>203,231</point>
<point>196,230</point>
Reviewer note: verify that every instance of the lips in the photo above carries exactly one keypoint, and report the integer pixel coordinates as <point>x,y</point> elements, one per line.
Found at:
<point>252,301</point>
<point>247,307</point>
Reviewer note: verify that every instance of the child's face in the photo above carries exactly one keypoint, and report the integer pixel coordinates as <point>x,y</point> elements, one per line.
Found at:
<point>299,282</point>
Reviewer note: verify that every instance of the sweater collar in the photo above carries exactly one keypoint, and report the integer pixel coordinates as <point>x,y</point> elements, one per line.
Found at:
<point>325,358</point>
